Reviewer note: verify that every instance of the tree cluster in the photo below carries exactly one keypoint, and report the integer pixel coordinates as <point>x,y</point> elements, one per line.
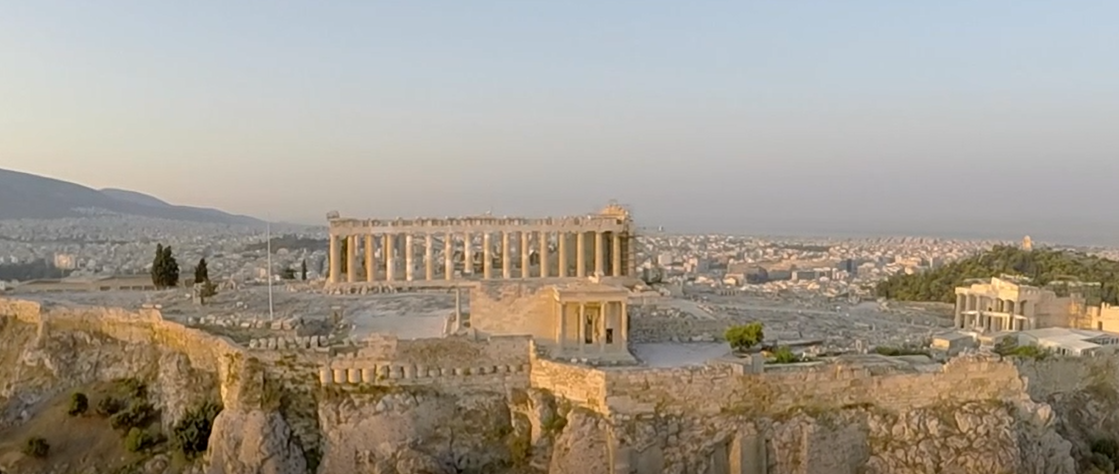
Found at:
<point>192,433</point>
<point>743,337</point>
<point>1055,269</point>
<point>165,270</point>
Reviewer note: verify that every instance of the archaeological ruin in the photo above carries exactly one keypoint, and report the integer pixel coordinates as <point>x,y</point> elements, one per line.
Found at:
<point>479,248</point>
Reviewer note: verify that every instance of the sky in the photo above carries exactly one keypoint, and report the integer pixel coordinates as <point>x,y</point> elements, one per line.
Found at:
<point>995,118</point>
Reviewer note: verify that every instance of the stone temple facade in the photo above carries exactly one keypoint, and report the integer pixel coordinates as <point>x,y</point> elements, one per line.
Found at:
<point>379,253</point>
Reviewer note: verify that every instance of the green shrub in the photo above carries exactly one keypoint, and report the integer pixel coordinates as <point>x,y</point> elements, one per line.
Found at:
<point>1099,462</point>
<point>1107,447</point>
<point>554,424</point>
<point>132,388</point>
<point>79,404</point>
<point>137,415</point>
<point>1009,348</point>
<point>192,433</point>
<point>743,337</point>
<point>520,450</point>
<point>36,447</point>
<point>1105,453</point>
<point>108,406</point>
<point>784,355</point>
<point>137,439</point>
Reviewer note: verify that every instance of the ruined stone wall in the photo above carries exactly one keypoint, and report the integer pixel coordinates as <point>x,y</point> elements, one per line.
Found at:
<point>714,389</point>
<point>585,386</point>
<point>524,308</point>
<point>650,328</point>
<point>449,364</point>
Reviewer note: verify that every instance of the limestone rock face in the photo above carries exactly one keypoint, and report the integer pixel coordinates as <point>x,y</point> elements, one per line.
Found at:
<point>178,386</point>
<point>581,447</point>
<point>406,432</point>
<point>253,442</point>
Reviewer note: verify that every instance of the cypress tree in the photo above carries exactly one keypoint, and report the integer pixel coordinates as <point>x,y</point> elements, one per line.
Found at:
<point>303,269</point>
<point>157,267</point>
<point>170,268</point>
<point>201,274</point>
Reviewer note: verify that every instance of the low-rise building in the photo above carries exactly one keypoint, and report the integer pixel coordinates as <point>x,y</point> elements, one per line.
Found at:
<point>1073,342</point>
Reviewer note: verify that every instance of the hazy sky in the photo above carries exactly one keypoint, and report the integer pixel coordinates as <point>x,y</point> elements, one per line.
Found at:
<point>776,116</point>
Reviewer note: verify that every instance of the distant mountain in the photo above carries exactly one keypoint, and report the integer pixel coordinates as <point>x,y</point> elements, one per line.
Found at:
<point>27,196</point>
<point>134,197</point>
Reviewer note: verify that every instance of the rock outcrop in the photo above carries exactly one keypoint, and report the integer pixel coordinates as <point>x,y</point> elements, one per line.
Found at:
<point>253,442</point>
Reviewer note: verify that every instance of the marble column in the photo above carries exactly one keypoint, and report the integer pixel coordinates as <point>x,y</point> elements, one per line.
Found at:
<point>448,256</point>
<point>543,254</point>
<point>370,269</point>
<point>623,336</point>
<point>599,267</point>
<point>506,263</point>
<point>961,301</point>
<point>335,259</point>
<point>351,259</point>
<point>429,260</point>
<point>487,260</point>
<point>526,263</point>
<point>616,254</point>
<point>628,242</point>
<point>600,327</point>
<point>580,255</point>
<point>387,247</point>
<point>582,326</point>
<point>467,254</point>
<point>561,254</point>
<point>561,331</point>
<point>409,264</point>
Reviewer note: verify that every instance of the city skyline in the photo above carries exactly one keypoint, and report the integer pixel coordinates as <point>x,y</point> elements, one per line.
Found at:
<point>863,118</point>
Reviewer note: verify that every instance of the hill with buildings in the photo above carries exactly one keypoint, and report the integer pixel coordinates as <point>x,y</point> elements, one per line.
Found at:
<point>28,196</point>
<point>1059,269</point>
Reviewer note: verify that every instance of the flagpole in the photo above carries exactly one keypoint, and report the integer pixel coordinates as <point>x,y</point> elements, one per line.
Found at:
<point>268,235</point>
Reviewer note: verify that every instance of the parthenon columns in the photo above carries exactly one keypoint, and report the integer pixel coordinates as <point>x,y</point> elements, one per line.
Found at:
<point>544,254</point>
<point>429,262</point>
<point>467,254</point>
<point>561,262</point>
<point>607,261</point>
<point>351,251</point>
<point>448,256</point>
<point>409,265</point>
<point>580,255</point>
<point>506,264</point>
<point>390,257</point>
<point>604,239</point>
<point>335,259</point>
<point>370,269</point>
<point>487,259</point>
<point>599,269</point>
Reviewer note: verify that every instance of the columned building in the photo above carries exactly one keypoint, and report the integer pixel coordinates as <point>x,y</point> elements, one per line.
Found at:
<point>371,252</point>
<point>1003,304</point>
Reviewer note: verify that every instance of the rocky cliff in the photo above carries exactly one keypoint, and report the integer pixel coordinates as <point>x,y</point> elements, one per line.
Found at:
<point>278,418</point>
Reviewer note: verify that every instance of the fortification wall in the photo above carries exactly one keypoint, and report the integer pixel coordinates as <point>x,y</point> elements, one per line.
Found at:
<point>585,386</point>
<point>522,308</point>
<point>714,389</point>
<point>449,363</point>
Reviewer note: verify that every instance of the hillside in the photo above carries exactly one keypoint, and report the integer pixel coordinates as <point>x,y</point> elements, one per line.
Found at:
<point>1042,266</point>
<point>27,196</point>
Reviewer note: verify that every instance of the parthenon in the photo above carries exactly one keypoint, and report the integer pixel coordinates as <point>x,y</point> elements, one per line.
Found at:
<point>479,248</point>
